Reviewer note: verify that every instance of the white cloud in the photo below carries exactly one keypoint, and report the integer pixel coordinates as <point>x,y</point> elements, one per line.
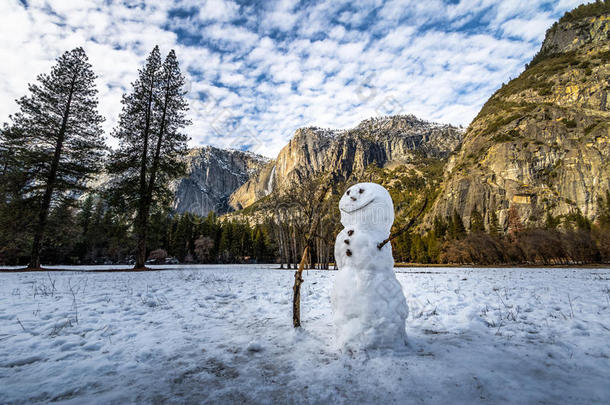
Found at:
<point>217,10</point>
<point>264,71</point>
<point>527,29</point>
<point>280,15</point>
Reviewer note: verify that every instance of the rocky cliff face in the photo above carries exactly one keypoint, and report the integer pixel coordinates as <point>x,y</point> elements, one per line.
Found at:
<point>384,141</point>
<point>213,175</point>
<point>541,143</point>
<point>574,33</point>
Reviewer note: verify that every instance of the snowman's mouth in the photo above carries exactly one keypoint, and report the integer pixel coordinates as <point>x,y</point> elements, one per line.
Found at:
<point>357,208</point>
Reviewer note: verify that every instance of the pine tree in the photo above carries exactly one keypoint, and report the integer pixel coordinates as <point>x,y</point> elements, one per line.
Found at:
<point>203,248</point>
<point>603,209</point>
<point>476,221</point>
<point>226,241</point>
<point>551,222</point>
<point>439,228</point>
<point>456,228</point>
<point>494,224</point>
<point>85,214</point>
<point>419,252</point>
<point>98,234</point>
<point>401,246</point>
<point>57,137</point>
<point>83,220</point>
<point>150,141</point>
<point>16,209</point>
<point>433,247</point>
<point>181,236</point>
<point>60,241</point>
<point>259,245</point>
<point>576,220</point>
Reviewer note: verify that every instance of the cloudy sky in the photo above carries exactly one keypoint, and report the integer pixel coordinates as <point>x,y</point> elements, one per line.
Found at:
<point>257,70</point>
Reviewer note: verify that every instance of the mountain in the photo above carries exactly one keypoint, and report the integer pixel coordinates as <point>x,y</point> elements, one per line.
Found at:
<point>541,143</point>
<point>385,142</point>
<point>213,175</point>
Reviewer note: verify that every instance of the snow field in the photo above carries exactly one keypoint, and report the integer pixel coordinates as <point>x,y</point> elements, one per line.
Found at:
<point>223,334</point>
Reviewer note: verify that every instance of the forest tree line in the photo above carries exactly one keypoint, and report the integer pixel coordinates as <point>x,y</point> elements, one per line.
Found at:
<point>96,233</point>
<point>562,240</point>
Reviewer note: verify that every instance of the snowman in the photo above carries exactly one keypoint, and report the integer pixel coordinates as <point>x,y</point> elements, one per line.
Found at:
<point>369,307</point>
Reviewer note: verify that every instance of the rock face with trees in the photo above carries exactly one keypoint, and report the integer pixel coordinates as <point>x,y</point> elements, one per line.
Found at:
<point>527,183</point>
<point>383,141</point>
<point>541,143</point>
<point>213,175</point>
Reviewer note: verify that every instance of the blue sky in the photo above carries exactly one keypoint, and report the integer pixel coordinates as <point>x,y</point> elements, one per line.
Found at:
<point>258,70</point>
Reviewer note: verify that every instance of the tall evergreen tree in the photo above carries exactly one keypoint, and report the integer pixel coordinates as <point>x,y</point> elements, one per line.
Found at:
<point>57,137</point>
<point>456,228</point>
<point>150,141</point>
<point>15,208</point>
<point>494,224</point>
<point>604,210</point>
<point>226,241</point>
<point>259,245</point>
<point>551,222</point>
<point>439,227</point>
<point>477,223</point>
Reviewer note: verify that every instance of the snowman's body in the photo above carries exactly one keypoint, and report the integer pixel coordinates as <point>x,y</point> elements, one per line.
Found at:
<point>369,307</point>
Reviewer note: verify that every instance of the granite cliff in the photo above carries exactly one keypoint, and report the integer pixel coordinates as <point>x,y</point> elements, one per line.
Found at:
<point>213,174</point>
<point>541,143</point>
<point>386,142</point>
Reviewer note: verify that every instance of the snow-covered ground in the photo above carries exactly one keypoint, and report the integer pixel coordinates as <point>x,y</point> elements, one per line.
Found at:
<point>223,334</point>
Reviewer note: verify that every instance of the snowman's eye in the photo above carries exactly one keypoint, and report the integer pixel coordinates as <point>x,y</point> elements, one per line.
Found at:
<point>347,192</point>
<point>361,191</point>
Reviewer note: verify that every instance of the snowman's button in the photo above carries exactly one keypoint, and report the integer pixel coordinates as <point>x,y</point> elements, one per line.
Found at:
<point>348,252</point>
<point>350,232</point>
<point>346,241</point>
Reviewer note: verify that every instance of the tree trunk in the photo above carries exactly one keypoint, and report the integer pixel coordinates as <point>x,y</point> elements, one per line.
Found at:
<point>142,219</point>
<point>287,250</point>
<point>293,244</point>
<point>157,156</point>
<point>147,198</point>
<point>43,213</point>
<point>281,241</point>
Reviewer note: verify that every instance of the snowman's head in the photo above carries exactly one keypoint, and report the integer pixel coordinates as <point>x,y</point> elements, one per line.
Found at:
<point>367,204</point>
